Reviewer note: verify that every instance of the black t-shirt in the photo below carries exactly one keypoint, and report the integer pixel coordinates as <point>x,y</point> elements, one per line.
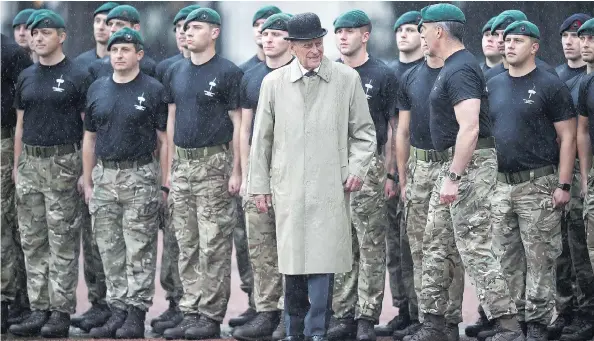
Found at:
<point>494,71</point>
<point>566,73</point>
<point>102,67</point>
<point>14,60</point>
<point>400,68</point>
<point>203,95</point>
<point>585,105</point>
<point>87,58</point>
<point>165,64</point>
<point>125,116</point>
<point>484,67</point>
<point>250,63</point>
<point>523,111</point>
<point>460,79</point>
<point>53,98</point>
<point>574,86</point>
<point>415,87</point>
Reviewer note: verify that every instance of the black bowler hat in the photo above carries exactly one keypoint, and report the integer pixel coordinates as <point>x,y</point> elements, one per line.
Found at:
<point>305,26</point>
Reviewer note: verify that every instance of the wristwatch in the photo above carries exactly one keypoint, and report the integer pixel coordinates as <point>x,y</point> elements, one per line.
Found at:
<point>564,187</point>
<point>392,177</point>
<point>453,176</point>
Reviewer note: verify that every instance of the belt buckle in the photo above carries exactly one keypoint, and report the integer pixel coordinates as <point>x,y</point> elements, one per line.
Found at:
<point>37,151</point>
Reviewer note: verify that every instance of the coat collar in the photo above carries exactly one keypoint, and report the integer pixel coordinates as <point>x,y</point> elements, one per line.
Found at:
<point>324,72</point>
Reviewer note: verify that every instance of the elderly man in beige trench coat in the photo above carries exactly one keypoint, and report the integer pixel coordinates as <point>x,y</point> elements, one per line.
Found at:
<point>312,145</point>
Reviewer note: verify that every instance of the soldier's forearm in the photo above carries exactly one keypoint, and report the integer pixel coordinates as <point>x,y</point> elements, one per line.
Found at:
<point>402,154</point>
<point>584,147</point>
<point>567,159</point>
<point>163,160</point>
<point>89,159</point>
<point>465,146</point>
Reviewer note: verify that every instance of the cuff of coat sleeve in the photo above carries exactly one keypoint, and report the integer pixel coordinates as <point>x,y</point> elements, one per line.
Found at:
<point>358,172</point>
<point>259,189</point>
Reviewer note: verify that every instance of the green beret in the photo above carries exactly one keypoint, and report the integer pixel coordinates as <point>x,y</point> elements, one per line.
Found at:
<point>523,28</point>
<point>265,12</point>
<point>183,13</point>
<point>105,8</point>
<point>412,17</point>
<point>506,18</point>
<point>351,19</point>
<point>124,12</point>
<point>48,19</point>
<point>440,13</point>
<point>277,21</point>
<point>127,36</point>
<point>488,25</point>
<point>587,28</point>
<point>21,17</point>
<point>33,15</point>
<point>207,15</point>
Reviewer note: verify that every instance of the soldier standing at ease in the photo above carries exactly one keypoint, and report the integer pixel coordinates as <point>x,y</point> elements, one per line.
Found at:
<point>398,256</point>
<point>490,51</point>
<point>204,120</point>
<point>460,126</point>
<point>22,35</point>
<point>50,98</point>
<point>257,21</point>
<point>358,294</point>
<point>34,56</point>
<point>530,108</point>
<point>261,228</point>
<point>14,281</point>
<point>101,36</point>
<point>125,115</point>
<point>571,47</point>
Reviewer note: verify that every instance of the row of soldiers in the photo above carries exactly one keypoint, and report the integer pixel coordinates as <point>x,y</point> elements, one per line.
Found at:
<point>135,151</point>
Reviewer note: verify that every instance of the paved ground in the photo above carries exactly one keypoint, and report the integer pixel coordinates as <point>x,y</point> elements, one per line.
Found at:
<point>238,302</point>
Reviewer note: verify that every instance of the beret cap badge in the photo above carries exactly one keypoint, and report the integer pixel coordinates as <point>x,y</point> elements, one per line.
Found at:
<point>523,28</point>
<point>128,37</point>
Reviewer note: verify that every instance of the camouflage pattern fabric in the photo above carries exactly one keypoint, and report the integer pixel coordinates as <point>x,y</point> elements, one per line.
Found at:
<point>49,219</point>
<point>471,229</point>
<point>421,177</point>
<point>566,298</point>
<point>206,246</point>
<point>169,275</point>
<point>93,266</point>
<point>124,208</point>
<point>527,241</point>
<point>359,293</point>
<point>242,253</point>
<point>589,216</point>
<point>261,238</point>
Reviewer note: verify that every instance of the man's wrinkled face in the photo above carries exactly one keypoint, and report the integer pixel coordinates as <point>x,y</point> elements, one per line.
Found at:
<point>571,46</point>
<point>200,35</point>
<point>519,48</point>
<point>408,38</point>
<point>274,43</point>
<point>257,30</point>
<point>430,34</point>
<point>587,48</point>
<point>47,40</point>
<point>350,40</point>
<point>309,52</point>
<point>124,57</point>
<point>22,36</point>
<point>180,35</point>
<point>100,29</point>
<point>490,45</point>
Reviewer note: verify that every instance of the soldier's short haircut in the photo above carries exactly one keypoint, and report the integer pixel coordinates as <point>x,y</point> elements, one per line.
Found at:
<point>454,29</point>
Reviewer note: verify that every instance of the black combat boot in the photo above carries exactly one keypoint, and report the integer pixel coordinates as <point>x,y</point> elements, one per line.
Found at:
<point>294,338</point>
<point>452,331</point>
<point>399,322</point>
<point>19,309</point>
<point>341,329</point>
<point>108,330</point>
<point>133,327</point>
<point>169,314</point>
<point>57,326</point>
<point>581,329</point>
<point>433,329</point>
<point>174,319</point>
<point>365,331</point>
<point>481,324</point>
<point>4,317</point>
<point>318,338</point>
<point>179,332</point>
<point>242,319</point>
<point>506,328</point>
<point>557,328</point>
<point>414,326</point>
<point>280,331</point>
<point>32,325</point>
<point>207,329</point>
<point>536,332</point>
<point>260,327</point>
<point>92,318</point>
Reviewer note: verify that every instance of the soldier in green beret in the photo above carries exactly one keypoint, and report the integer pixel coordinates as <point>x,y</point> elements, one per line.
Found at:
<point>257,21</point>
<point>100,34</point>
<point>50,104</point>
<point>21,34</point>
<point>574,64</point>
<point>490,50</point>
<point>534,127</point>
<point>30,20</point>
<point>460,205</point>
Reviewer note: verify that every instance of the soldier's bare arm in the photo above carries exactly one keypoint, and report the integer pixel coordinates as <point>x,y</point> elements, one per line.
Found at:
<point>89,162</point>
<point>403,147</point>
<point>467,115</point>
<point>18,142</point>
<point>235,179</point>
<point>566,131</point>
<point>163,157</point>
<point>244,143</point>
<point>170,145</point>
<point>584,148</point>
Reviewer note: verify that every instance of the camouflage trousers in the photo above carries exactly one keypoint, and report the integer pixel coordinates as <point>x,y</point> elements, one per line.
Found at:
<point>124,208</point>
<point>589,216</point>
<point>360,292</point>
<point>421,177</point>
<point>261,237</point>
<point>92,264</point>
<point>13,276</point>
<point>527,242</point>
<point>169,275</point>
<point>399,259</point>
<point>242,253</point>
<point>205,241</point>
<point>49,220</point>
<point>470,215</point>
<point>575,278</point>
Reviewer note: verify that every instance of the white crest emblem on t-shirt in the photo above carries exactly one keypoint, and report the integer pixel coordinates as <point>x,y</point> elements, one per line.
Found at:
<point>530,93</point>
<point>140,100</point>
<point>368,87</point>
<point>59,81</point>
<point>212,84</point>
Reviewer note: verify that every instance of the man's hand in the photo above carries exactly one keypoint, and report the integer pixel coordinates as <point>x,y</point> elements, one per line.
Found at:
<point>263,202</point>
<point>234,184</point>
<point>80,186</point>
<point>560,198</point>
<point>88,193</point>
<point>353,184</point>
<point>449,191</point>
<point>389,189</point>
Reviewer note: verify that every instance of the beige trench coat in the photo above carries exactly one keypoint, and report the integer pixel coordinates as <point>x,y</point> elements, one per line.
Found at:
<point>310,133</point>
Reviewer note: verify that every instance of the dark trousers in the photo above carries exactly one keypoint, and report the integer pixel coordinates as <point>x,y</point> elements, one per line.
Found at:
<point>301,316</point>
